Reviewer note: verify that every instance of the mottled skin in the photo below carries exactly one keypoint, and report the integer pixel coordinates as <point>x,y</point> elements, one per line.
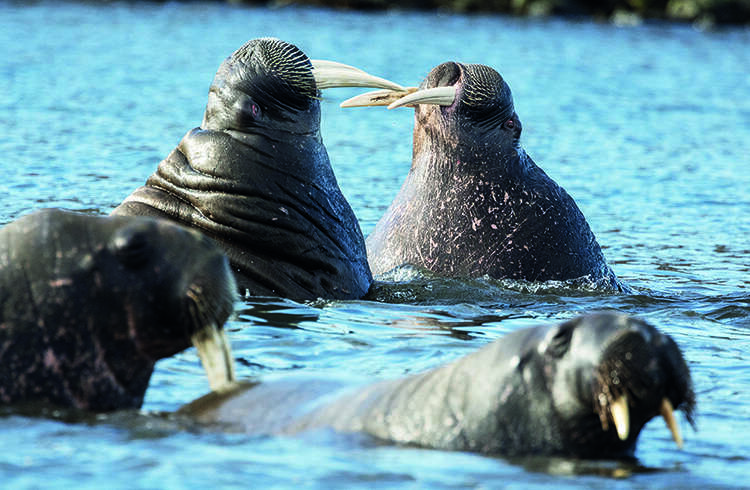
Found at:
<point>256,177</point>
<point>474,203</point>
<point>537,391</point>
<point>88,304</point>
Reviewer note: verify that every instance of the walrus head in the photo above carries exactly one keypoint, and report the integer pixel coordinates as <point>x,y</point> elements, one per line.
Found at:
<point>90,303</point>
<point>268,83</point>
<point>265,82</point>
<point>468,105</point>
<point>618,368</point>
<point>191,291</point>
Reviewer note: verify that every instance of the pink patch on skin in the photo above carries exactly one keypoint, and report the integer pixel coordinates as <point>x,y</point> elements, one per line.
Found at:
<point>50,361</point>
<point>64,281</point>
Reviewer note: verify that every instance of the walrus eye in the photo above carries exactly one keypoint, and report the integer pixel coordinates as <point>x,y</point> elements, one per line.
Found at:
<point>249,111</point>
<point>509,124</point>
<point>255,110</point>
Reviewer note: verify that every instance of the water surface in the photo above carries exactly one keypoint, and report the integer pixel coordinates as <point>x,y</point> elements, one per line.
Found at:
<point>647,127</point>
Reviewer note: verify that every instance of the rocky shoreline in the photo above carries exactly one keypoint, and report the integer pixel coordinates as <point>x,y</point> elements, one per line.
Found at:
<point>701,12</point>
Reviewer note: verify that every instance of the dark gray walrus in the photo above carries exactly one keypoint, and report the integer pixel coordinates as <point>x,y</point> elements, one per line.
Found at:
<point>90,303</point>
<point>584,388</point>
<point>255,177</point>
<point>474,203</point>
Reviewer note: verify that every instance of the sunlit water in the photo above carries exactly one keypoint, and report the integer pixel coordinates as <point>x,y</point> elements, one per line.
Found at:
<point>648,128</point>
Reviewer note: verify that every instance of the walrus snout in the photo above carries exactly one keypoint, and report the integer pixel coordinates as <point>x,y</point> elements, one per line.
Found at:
<point>193,290</point>
<point>641,374</point>
<point>210,293</point>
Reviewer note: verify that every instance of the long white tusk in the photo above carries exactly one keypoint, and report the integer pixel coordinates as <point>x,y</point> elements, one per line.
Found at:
<point>331,74</point>
<point>437,95</point>
<point>621,416</point>
<point>377,98</point>
<point>216,356</point>
<point>668,413</point>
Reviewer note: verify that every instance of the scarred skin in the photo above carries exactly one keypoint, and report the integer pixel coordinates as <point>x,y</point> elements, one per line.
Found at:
<point>474,203</point>
<point>88,304</point>
<point>545,390</point>
<point>256,177</point>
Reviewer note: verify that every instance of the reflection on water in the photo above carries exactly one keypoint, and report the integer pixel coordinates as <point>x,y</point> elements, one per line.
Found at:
<point>648,128</point>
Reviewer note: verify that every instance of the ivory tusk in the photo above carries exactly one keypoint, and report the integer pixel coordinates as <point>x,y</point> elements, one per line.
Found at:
<point>621,416</point>
<point>331,74</point>
<point>667,412</point>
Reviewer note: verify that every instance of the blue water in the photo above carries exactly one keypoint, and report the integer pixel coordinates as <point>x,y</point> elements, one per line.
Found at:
<point>647,127</point>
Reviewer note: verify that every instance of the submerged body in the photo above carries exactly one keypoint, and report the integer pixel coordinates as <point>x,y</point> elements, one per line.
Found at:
<point>474,203</point>
<point>88,304</point>
<point>584,388</point>
<point>256,178</point>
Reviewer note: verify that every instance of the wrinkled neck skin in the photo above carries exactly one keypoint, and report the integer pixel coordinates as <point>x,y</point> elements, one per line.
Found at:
<point>269,197</point>
<point>289,144</point>
<point>473,205</point>
<point>299,158</point>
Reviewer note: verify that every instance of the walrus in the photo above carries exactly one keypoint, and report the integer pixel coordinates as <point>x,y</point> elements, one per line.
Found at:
<point>584,388</point>
<point>255,176</point>
<point>474,203</point>
<point>88,304</point>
